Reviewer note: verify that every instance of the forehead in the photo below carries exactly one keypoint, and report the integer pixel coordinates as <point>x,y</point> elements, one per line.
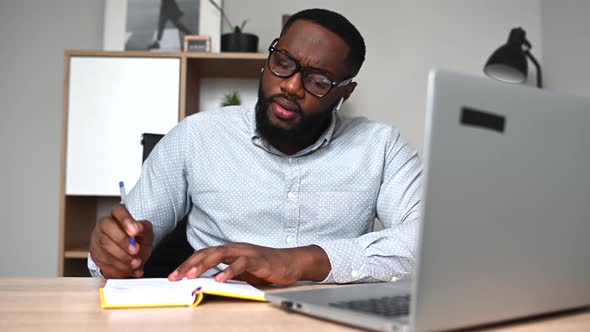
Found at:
<point>315,46</point>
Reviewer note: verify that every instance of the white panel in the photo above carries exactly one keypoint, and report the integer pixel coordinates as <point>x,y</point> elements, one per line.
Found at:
<point>112,101</point>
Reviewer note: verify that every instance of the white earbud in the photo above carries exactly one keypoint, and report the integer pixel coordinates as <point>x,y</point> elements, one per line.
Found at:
<point>262,69</point>
<point>339,104</point>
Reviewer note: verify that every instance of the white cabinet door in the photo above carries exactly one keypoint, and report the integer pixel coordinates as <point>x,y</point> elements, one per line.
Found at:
<point>112,101</point>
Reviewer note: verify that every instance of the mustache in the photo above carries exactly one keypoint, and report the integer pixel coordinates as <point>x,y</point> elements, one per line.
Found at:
<point>273,98</point>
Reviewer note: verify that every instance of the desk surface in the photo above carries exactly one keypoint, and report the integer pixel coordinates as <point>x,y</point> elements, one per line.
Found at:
<point>72,304</point>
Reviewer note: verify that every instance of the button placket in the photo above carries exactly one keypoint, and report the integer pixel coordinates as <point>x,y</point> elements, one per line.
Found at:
<point>291,201</point>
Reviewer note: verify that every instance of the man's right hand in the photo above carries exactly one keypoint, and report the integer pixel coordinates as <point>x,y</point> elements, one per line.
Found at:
<point>110,247</point>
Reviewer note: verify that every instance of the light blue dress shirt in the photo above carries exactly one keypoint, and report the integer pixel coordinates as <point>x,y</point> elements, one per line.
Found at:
<point>235,187</point>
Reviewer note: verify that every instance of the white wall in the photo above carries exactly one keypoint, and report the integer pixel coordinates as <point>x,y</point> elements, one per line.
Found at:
<point>566,46</point>
<point>404,40</point>
<point>33,36</point>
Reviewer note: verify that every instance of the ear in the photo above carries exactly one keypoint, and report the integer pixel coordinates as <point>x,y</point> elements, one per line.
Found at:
<point>348,90</point>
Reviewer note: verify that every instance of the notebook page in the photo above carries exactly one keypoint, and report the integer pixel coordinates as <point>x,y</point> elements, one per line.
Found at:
<point>228,287</point>
<point>163,291</point>
<point>147,291</point>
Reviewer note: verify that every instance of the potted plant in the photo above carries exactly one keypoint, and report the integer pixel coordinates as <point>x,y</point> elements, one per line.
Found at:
<point>232,98</point>
<point>237,40</point>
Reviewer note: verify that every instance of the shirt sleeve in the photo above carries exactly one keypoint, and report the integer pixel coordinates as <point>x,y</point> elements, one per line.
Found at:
<point>93,268</point>
<point>389,254</point>
<point>160,195</point>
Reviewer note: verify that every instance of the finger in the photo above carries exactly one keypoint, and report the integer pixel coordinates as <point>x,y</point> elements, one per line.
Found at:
<point>235,269</point>
<point>126,221</point>
<point>112,254</point>
<point>190,265</point>
<point>251,279</point>
<point>146,235</point>
<point>143,241</point>
<point>111,228</point>
<point>201,261</point>
<point>114,269</point>
<point>138,273</point>
<point>110,272</point>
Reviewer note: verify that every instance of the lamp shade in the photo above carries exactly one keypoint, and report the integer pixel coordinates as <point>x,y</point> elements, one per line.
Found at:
<point>508,64</point>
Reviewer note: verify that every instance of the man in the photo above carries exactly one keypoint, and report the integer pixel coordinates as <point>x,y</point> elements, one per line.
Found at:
<point>283,192</point>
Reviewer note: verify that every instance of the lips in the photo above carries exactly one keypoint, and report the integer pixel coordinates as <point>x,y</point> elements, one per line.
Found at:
<point>285,109</point>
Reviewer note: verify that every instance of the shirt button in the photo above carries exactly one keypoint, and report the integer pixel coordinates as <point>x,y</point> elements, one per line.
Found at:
<point>290,239</point>
<point>292,196</point>
<point>354,273</point>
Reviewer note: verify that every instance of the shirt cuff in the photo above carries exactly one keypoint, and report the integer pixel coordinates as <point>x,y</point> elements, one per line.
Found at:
<point>93,268</point>
<point>347,261</point>
<point>364,260</point>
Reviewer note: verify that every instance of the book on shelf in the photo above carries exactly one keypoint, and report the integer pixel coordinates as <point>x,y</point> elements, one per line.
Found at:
<point>160,292</point>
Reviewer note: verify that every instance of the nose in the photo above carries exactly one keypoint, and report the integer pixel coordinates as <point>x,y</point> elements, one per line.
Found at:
<point>293,86</point>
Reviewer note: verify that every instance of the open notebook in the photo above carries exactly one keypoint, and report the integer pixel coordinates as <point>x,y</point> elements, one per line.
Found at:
<point>160,292</point>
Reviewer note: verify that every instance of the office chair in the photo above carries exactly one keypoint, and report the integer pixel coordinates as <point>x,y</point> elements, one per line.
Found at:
<point>174,248</point>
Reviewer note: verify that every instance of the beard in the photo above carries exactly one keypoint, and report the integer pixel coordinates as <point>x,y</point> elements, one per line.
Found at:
<point>297,135</point>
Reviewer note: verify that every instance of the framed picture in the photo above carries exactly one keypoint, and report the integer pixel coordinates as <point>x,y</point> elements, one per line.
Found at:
<point>159,25</point>
<point>284,19</point>
<point>199,43</point>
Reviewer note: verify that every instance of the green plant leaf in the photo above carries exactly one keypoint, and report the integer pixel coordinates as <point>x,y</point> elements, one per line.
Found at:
<point>232,98</point>
<point>243,25</point>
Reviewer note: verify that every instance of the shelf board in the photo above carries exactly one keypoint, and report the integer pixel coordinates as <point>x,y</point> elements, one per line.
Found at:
<point>226,67</point>
<point>141,54</point>
<point>77,252</point>
<point>188,55</point>
<point>226,55</point>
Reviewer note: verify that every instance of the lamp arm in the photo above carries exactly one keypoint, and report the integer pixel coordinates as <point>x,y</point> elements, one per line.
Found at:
<point>538,67</point>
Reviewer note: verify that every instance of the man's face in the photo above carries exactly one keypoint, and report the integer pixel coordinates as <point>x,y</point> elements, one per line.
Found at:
<point>286,113</point>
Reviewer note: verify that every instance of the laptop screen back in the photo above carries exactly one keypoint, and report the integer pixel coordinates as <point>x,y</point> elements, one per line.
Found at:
<point>506,203</point>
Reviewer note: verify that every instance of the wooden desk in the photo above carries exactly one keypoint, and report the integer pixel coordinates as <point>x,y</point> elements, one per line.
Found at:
<point>72,304</point>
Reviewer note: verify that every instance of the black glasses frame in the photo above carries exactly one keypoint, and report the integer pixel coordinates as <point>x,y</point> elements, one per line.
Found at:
<point>301,68</point>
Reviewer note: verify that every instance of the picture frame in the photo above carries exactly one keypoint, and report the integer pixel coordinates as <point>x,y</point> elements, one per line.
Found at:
<point>115,35</point>
<point>284,19</point>
<point>197,43</point>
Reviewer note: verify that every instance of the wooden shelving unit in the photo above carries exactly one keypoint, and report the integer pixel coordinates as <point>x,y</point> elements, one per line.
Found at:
<point>78,214</point>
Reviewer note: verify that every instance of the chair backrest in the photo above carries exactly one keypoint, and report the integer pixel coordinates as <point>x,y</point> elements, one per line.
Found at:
<point>149,141</point>
<point>174,248</point>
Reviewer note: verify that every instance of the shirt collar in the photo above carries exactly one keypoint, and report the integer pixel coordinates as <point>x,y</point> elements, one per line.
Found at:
<point>322,141</point>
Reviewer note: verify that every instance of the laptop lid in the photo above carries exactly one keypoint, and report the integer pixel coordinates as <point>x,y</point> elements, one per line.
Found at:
<point>506,203</point>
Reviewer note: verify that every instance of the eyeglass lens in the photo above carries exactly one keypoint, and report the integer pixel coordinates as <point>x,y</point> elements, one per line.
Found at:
<point>283,66</point>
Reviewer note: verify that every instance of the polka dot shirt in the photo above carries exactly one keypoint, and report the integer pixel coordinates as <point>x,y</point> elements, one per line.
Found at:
<point>235,187</point>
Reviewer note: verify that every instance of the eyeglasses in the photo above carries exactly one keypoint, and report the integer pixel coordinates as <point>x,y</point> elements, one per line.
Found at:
<point>315,82</point>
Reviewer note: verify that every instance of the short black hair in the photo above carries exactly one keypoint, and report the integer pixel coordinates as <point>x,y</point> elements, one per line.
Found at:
<point>340,26</point>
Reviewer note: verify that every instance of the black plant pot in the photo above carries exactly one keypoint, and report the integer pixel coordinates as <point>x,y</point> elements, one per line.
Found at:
<point>239,42</point>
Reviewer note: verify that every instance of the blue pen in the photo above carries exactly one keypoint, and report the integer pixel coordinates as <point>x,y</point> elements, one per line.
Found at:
<point>123,201</point>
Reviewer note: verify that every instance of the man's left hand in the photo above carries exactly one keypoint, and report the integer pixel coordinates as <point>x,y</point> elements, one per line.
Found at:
<point>255,264</point>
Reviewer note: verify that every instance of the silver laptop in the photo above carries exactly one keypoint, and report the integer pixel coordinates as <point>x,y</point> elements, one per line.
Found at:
<point>506,215</point>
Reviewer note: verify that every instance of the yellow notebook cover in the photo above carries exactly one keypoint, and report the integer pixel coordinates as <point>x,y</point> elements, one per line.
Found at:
<point>160,292</point>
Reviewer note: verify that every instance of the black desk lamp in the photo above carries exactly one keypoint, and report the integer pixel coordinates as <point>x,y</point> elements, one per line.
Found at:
<point>508,63</point>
